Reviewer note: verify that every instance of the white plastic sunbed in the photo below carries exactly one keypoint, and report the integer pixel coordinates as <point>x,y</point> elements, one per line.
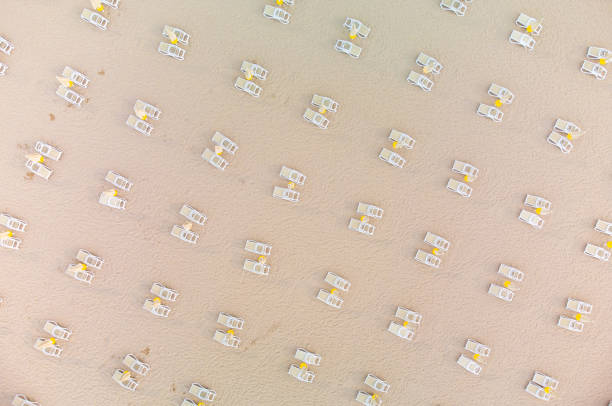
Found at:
<point>544,380</point>
<point>436,241</point>
<point>420,80</point>
<point>139,125</point>
<point>531,218</point>
<point>604,227</point>
<point>459,187</point>
<point>258,248</point>
<point>522,39</point>
<point>376,383</point>
<point>597,252</point>
<point>392,158</point>
<point>57,331</point>
<point>301,374</point>
<point>316,118</point>
<point>215,160</point>
<point>308,357</point>
<point>455,6</point>
<point>570,324</point>
<point>52,350</point>
<point>324,102</point>
<point>171,50</point>
<point>38,169</point>
<point>330,298</point>
<point>500,92</point>
<point>361,226</point>
<point>511,273</point>
<point>361,29</point>
<point>428,259</point>
<point>150,110</point>
<point>202,392</point>
<point>347,47</point>
<point>501,292</point>
<point>292,175</point>
<point>79,274</point>
<point>524,21</point>
<point>425,60</point>
<point>94,18</point>
<point>255,267</point>
<point>12,223</point>
<point>184,234</point>
<point>403,140</point>
<point>598,53</point>
<point>286,194</point>
<point>70,96</point>
<point>192,214</point>
<point>112,3</point>
<point>157,309</point>
<point>164,292</point>
<point>75,76</point>
<point>136,365</point>
<point>22,400</point>
<point>230,321</point>
<point>10,243</point>
<point>538,202</point>
<point>3,68</point>
<point>48,151</point>
<point>469,365</point>
<point>181,35</point>
<point>224,142</point>
<point>578,306</point>
<point>5,46</point>
<point>247,86</point>
<point>188,402</point>
<point>537,391</point>
<point>129,383</point>
<point>257,71</point>
<point>409,315</point>
<point>401,331</point>
<point>227,339</point>
<point>337,281</point>
<point>477,348</point>
<point>465,169</point>
<point>567,127</point>
<point>119,181</point>
<point>89,259</point>
<point>370,210</point>
<point>592,68</point>
<point>491,112</point>
<point>368,399</point>
<point>276,13</point>
<point>114,202</point>
<point>560,142</point>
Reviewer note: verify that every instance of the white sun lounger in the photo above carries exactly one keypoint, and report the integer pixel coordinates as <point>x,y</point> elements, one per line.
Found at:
<point>525,21</point>
<point>277,13</point>
<point>368,399</point>
<point>598,53</point>
<point>522,39</point>
<point>192,214</point>
<point>409,315</point>
<point>403,140</point>
<point>286,194</point>
<point>119,181</point>
<point>465,169</point>
<point>604,227</point>
<point>227,339</point>
<point>256,267</point>
<point>202,393</point>
<point>247,86</point>
<point>597,252</point>
<point>425,60</point>
<point>361,226</point>
<point>150,110</point>
<point>12,223</point>
<point>139,125</point>
<point>10,243</point>
<point>337,281</point>
<point>293,175</point>
<point>376,383</point>
<point>171,50</point>
<point>56,330</point>
<point>164,292</point>
<point>362,30</point>
<point>469,365</point>
<point>52,350</point>
<point>75,76</point>
<point>538,202</point>
<point>5,46</point>
<point>401,331</point>
<point>566,127</point>
<point>39,169</point>
<point>428,259</point>
<point>257,71</point>
<point>544,380</point>
<point>537,391</point>
<point>570,324</point>
<point>477,348</point>
<point>459,187</point>
<point>500,92</point>
<point>79,274</point>
<point>491,112</point>
<point>308,357</point>
<point>501,292</point>
<point>70,96</point>
<point>370,210</point>
<point>316,118</point>
<point>225,143</point>
<point>114,202</point>
<point>579,306</point>
<point>420,80</point>
<point>532,219</point>
<point>188,402</point>
<point>437,241</point>
<point>22,400</point>
<point>157,309</point>
<point>48,151</point>
<point>129,383</point>
<point>258,248</point>
<point>181,35</point>
<point>330,299</point>
<point>560,142</point>
<point>136,365</point>
<point>230,321</point>
<point>215,160</point>
<point>184,234</point>
<point>592,68</point>
<point>94,18</point>
<point>89,259</point>
<point>392,158</point>
<point>347,47</point>
<point>3,68</point>
<point>455,6</point>
<point>301,374</point>
<point>511,273</point>
<point>324,102</point>
<point>112,3</point>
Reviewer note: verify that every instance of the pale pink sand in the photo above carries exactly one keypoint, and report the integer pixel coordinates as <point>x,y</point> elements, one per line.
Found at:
<point>309,238</point>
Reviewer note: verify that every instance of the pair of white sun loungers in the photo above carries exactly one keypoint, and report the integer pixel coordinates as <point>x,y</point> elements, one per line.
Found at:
<point>309,358</point>
<point>560,140</point>
<point>48,348</point>
<point>511,273</point>
<point>144,110</point>
<point>596,69</point>
<point>78,272</point>
<point>15,224</point>
<point>365,209</point>
<point>411,319</point>
<point>577,306</point>
<point>247,85</point>
<point>476,348</point>
<point>226,145</point>
<point>332,299</point>
<point>155,307</point>
<point>430,259</point>
<point>293,176</point>
<point>277,13</point>
<point>502,94</point>
<point>190,214</point>
<point>533,219</point>
<point>537,384</point>
<point>258,248</point>
<point>173,50</point>
<point>324,103</point>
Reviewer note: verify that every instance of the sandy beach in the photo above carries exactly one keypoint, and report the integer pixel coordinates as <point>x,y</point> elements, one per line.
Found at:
<point>311,237</point>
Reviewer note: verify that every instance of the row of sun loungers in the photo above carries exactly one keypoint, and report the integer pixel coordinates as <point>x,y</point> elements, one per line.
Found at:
<point>6,48</point>
<point>541,386</point>
<point>171,49</point>
<point>294,177</point>
<point>323,104</point>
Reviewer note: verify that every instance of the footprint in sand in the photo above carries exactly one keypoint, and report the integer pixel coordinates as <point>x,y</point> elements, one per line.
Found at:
<point>51,116</point>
